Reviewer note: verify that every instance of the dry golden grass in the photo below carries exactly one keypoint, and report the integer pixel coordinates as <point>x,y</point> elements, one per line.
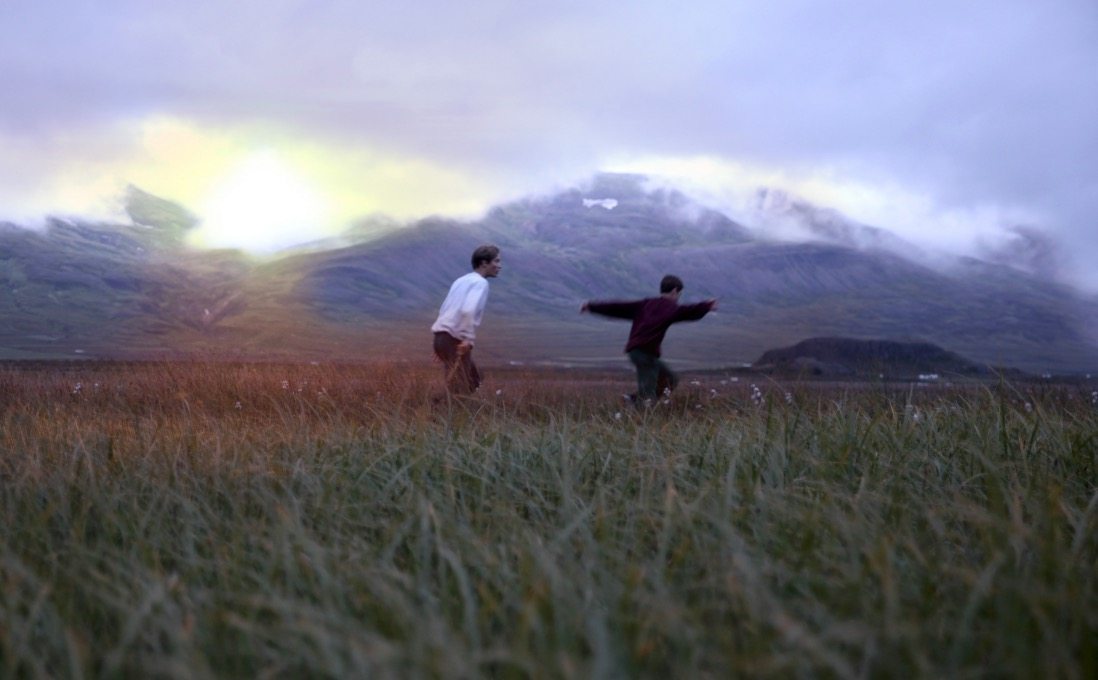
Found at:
<point>200,520</point>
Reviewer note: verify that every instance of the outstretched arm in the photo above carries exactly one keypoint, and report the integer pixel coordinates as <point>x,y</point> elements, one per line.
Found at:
<point>616,309</point>
<point>696,311</point>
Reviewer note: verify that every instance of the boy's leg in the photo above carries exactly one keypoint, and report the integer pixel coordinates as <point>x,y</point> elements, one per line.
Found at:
<point>470,373</point>
<point>459,370</point>
<point>667,380</point>
<point>648,373</point>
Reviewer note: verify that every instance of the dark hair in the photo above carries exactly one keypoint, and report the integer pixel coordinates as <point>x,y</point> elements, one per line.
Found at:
<point>670,283</point>
<point>484,253</point>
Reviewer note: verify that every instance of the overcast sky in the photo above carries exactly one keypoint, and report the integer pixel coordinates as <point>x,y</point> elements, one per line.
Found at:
<point>947,121</point>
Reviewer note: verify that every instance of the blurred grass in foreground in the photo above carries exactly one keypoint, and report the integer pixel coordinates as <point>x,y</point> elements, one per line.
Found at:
<point>276,521</point>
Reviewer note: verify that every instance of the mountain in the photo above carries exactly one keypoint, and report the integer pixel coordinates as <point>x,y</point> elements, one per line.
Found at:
<point>120,290</point>
<point>135,290</point>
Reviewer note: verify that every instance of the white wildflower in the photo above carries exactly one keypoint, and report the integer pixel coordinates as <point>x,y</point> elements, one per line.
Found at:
<point>757,395</point>
<point>499,392</point>
<point>1029,407</point>
<point>617,416</point>
<point>695,383</point>
<point>788,398</point>
<point>76,389</point>
<point>238,406</point>
<point>285,384</point>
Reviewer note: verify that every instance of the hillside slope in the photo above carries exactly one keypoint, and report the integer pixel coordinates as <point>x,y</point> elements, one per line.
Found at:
<point>133,290</point>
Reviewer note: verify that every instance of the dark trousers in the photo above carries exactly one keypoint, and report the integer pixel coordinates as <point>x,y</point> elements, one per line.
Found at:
<point>462,376</point>
<point>653,376</point>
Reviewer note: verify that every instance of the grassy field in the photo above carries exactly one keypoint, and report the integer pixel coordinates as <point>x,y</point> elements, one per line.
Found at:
<point>210,520</point>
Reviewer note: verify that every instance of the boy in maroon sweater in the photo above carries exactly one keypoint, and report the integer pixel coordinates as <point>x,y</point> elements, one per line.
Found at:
<point>651,319</point>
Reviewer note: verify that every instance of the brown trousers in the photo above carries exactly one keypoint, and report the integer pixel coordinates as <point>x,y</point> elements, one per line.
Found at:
<point>462,376</point>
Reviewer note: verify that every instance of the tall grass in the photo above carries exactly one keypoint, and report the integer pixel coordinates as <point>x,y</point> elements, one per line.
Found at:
<point>279,521</point>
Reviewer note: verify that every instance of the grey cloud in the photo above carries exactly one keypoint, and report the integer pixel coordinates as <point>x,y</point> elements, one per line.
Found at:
<point>973,103</point>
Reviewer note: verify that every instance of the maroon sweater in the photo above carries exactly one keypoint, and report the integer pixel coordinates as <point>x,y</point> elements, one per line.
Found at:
<point>651,318</point>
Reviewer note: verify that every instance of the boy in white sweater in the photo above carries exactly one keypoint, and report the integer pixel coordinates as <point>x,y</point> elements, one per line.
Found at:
<point>458,318</point>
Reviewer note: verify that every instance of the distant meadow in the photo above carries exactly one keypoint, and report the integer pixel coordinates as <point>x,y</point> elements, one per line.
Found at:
<point>192,520</point>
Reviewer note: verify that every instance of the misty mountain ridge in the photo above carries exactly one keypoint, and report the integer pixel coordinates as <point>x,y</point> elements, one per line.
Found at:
<point>1027,249</point>
<point>805,221</point>
<point>135,290</point>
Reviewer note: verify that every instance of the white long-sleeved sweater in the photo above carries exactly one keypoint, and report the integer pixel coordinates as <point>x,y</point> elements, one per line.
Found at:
<point>463,307</point>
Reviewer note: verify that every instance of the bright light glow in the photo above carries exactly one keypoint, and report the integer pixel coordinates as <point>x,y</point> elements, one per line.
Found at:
<point>245,198</point>
<point>261,205</point>
<point>203,168</point>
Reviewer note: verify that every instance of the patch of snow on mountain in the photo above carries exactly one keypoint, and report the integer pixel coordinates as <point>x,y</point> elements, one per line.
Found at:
<point>608,203</point>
